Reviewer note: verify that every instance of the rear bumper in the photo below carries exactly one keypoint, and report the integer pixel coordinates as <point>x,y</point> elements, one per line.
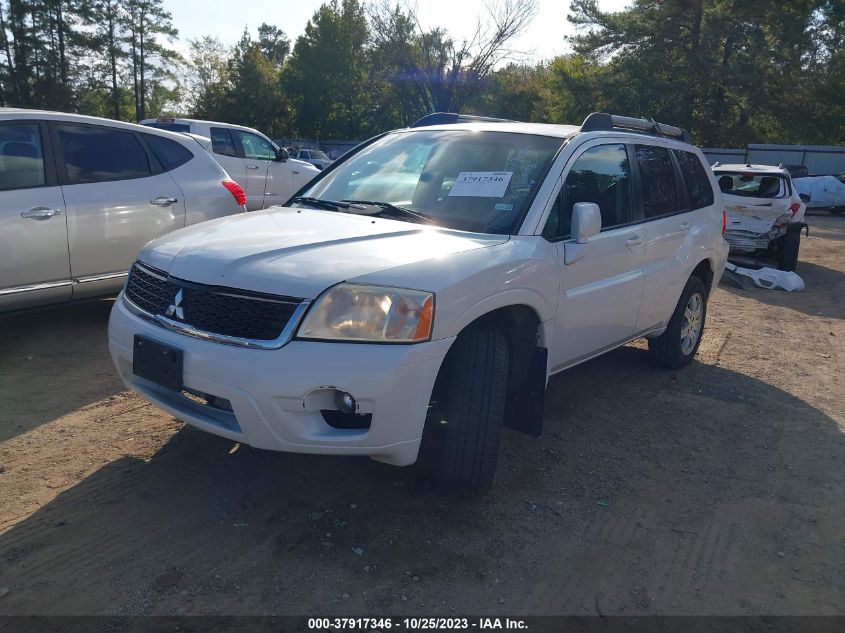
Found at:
<point>750,242</point>
<point>277,395</point>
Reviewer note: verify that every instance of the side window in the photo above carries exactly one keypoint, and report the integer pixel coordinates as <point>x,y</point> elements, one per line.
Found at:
<point>96,154</point>
<point>222,143</point>
<point>600,175</point>
<point>169,153</point>
<point>21,156</point>
<point>256,147</point>
<point>657,179</point>
<point>695,178</point>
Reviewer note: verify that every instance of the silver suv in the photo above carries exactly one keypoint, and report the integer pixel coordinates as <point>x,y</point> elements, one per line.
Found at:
<point>80,196</point>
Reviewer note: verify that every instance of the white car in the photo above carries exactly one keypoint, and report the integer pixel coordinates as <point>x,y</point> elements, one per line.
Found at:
<point>80,196</point>
<point>765,212</point>
<point>347,324</point>
<point>316,157</point>
<point>261,167</point>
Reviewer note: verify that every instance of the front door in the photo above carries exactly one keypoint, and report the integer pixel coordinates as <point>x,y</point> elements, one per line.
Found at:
<point>115,203</point>
<point>601,292</point>
<point>258,154</point>
<point>34,264</point>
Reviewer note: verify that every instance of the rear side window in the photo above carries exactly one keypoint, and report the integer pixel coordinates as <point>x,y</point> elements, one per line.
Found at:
<point>695,178</point>
<point>222,143</point>
<point>169,153</point>
<point>96,154</point>
<point>657,181</point>
<point>21,156</point>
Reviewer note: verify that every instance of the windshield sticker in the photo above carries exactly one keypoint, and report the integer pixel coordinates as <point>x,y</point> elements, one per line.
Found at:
<point>481,184</point>
<point>501,206</point>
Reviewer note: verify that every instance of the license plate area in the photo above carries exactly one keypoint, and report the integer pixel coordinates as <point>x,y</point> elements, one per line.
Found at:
<point>157,363</point>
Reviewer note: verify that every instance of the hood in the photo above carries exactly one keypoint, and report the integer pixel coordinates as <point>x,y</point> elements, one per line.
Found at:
<point>300,252</point>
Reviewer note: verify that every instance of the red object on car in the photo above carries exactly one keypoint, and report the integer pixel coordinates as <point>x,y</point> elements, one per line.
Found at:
<point>236,190</point>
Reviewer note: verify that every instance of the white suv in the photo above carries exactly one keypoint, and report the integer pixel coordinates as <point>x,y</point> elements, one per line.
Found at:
<point>428,285</point>
<point>255,162</point>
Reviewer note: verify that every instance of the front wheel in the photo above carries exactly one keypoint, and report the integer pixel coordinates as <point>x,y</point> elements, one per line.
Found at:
<point>677,346</point>
<point>472,402</point>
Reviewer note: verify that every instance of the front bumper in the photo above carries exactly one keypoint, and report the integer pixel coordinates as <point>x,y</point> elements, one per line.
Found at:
<point>276,395</point>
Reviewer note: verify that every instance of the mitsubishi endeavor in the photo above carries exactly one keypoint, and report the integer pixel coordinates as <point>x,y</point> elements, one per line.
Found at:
<point>426,286</point>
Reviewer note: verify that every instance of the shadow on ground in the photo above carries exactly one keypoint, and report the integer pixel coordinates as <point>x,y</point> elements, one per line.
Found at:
<point>53,361</point>
<point>699,491</point>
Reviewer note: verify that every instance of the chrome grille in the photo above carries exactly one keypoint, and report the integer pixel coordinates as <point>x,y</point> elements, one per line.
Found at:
<point>216,310</point>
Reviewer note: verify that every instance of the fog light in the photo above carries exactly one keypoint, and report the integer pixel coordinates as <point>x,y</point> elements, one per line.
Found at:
<point>345,402</point>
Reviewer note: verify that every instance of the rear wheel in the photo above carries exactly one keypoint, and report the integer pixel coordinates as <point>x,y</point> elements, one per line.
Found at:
<point>788,251</point>
<point>472,394</point>
<point>677,346</point>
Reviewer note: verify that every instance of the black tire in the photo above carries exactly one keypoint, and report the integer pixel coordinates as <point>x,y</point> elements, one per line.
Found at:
<point>668,349</point>
<point>788,251</point>
<point>473,406</point>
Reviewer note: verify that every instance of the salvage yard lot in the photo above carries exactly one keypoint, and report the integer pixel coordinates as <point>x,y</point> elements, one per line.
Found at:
<point>716,489</point>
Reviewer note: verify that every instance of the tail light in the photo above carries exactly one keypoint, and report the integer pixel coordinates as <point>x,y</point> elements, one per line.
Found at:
<point>724,222</point>
<point>794,208</point>
<point>237,192</point>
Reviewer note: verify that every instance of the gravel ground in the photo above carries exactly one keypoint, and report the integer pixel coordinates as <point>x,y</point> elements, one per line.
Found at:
<point>717,489</point>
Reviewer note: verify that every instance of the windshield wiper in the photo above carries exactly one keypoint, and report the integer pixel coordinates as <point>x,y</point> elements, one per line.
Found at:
<point>322,203</point>
<point>402,213</point>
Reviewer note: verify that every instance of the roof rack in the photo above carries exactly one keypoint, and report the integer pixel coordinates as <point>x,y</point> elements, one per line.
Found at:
<point>611,122</point>
<point>444,118</point>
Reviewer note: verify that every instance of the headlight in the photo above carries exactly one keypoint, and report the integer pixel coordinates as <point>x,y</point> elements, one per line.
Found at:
<point>370,313</point>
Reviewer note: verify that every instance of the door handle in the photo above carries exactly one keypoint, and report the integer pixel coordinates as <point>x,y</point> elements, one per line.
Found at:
<point>633,239</point>
<point>163,201</point>
<point>295,173</point>
<point>40,213</point>
<point>252,166</point>
<point>684,225</point>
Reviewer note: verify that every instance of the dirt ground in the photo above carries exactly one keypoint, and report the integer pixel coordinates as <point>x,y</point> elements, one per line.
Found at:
<point>717,489</point>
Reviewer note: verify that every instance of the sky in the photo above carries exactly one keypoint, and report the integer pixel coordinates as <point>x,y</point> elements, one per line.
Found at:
<point>543,39</point>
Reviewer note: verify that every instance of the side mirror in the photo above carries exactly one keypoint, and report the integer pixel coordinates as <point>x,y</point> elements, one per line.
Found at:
<point>586,221</point>
<point>281,155</point>
<point>805,197</point>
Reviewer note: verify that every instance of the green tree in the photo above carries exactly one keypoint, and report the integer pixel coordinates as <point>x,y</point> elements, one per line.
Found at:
<point>733,71</point>
<point>151,61</point>
<point>326,76</point>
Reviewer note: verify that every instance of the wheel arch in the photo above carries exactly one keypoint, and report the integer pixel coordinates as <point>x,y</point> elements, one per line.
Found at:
<point>525,332</point>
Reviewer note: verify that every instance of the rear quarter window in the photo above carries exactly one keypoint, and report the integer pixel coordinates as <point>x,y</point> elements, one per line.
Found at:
<point>697,183</point>
<point>169,153</point>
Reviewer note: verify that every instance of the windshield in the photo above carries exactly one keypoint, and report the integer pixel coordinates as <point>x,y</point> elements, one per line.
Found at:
<point>315,153</point>
<point>468,180</point>
<point>752,185</point>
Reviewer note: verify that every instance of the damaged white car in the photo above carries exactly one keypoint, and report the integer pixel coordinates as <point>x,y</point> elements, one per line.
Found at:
<point>765,212</point>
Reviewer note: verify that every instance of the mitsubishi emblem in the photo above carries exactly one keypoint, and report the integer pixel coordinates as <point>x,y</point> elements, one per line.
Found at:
<point>175,308</point>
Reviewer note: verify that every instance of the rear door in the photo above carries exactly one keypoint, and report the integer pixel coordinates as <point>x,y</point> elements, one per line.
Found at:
<point>259,153</point>
<point>118,198</point>
<point>668,219</point>
<point>34,262</point>
<point>601,292</point>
